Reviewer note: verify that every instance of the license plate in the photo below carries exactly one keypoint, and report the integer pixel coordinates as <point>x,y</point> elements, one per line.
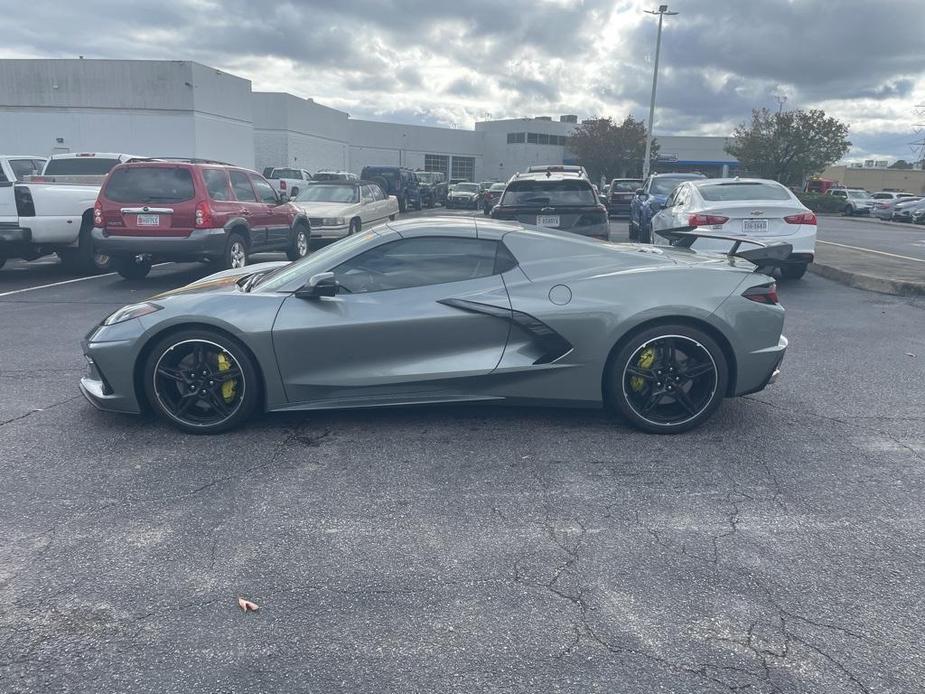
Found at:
<point>148,220</point>
<point>547,220</point>
<point>755,226</point>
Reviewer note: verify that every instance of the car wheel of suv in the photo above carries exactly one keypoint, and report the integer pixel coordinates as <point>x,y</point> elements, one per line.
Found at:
<point>293,193</point>
<point>201,381</point>
<point>235,252</point>
<point>132,267</point>
<point>667,379</point>
<point>794,271</point>
<point>299,243</point>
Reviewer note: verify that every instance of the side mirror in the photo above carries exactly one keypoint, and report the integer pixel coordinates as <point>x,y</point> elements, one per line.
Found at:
<point>641,193</point>
<point>322,284</point>
<point>284,198</point>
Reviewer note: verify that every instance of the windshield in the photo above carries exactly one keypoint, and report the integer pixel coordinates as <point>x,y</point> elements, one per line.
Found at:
<point>326,193</point>
<point>467,188</point>
<point>319,261</point>
<point>79,166</point>
<point>426,177</point>
<point>285,173</point>
<point>665,186</point>
<point>150,184</point>
<point>858,194</point>
<point>625,186</point>
<point>543,193</point>
<point>723,192</point>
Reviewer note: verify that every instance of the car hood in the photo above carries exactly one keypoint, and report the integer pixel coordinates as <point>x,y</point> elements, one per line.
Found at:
<point>326,209</point>
<point>224,281</point>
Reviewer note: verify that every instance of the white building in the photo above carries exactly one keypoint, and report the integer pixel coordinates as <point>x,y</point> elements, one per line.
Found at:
<point>184,109</point>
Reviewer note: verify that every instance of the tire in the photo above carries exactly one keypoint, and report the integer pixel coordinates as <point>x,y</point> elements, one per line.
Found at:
<point>235,254</point>
<point>630,395</point>
<point>176,363</point>
<point>299,243</point>
<point>794,271</point>
<point>355,226</point>
<point>84,260</point>
<point>132,267</point>
<point>293,193</point>
<point>391,217</point>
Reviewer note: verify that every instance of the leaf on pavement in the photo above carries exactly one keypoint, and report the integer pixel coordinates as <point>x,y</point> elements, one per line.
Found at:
<point>247,605</point>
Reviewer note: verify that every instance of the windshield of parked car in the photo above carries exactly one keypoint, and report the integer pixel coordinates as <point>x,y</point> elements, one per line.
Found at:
<point>143,184</point>
<point>544,193</point>
<point>285,173</point>
<point>328,193</point>
<point>625,186</point>
<point>467,188</point>
<point>743,190</point>
<point>665,186</point>
<point>858,194</point>
<point>373,172</point>
<point>79,166</point>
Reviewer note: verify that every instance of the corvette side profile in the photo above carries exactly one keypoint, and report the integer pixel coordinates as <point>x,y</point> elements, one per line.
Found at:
<point>451,310</point>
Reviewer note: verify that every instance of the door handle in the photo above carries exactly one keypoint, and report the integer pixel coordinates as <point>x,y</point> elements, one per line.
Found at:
<point>245,212</point>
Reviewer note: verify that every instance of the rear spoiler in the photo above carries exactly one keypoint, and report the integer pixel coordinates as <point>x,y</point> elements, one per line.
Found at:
<point>765,255</point>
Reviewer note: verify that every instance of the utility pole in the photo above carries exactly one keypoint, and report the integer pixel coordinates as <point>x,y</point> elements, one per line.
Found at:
<point>661,12</point>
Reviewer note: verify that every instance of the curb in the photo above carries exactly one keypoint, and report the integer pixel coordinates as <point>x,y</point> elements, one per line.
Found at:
<point>868,282</point>
<point>872,218</point>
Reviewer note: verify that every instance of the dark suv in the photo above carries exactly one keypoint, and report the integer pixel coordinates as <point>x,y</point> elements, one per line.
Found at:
<point>621,195</point>
<point>558,200</point>
<point>397,181</point>
<point>433,187</point>
<point>175,210</point>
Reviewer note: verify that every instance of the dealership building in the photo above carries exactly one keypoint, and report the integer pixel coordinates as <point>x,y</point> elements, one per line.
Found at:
<point>185,109</point>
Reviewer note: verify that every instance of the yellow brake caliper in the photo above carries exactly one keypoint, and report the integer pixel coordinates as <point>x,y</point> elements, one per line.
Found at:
<point>228,387</point>
<point>646,359</point>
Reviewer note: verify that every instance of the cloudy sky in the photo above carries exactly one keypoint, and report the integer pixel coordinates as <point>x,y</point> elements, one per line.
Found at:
<point>440,62</point>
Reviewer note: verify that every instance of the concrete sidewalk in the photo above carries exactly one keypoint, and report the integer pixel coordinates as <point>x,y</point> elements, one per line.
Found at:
<point>871,270</point>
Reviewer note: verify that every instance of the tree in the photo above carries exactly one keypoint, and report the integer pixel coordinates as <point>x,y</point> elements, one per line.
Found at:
<point>789,146</point>
<point>610,150</point>
<point>900,164</point>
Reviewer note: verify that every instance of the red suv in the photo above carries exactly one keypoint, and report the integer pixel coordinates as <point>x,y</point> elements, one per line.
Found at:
<point>182,210</point>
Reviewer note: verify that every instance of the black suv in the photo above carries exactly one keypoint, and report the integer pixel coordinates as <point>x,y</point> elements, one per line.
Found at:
<point>397,181</point>
<point>433,187</point>
<point>557,200</point>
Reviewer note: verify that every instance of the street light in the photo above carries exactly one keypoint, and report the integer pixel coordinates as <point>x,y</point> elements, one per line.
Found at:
<point>662,12</point>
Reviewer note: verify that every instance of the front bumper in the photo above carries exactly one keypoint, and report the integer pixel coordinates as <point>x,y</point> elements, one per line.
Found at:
<point>462,202</point>
<point>200,244</point>
<point>338,232</point>
<point>111,353</point>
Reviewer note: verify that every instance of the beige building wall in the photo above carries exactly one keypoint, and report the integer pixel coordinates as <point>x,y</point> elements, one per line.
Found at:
<point>905,180</point>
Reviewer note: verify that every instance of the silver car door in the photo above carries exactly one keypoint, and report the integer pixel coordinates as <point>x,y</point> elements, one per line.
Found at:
<point>381,338</point>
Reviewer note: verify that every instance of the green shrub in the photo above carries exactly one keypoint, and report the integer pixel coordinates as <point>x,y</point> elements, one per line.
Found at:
<point>821,203</point>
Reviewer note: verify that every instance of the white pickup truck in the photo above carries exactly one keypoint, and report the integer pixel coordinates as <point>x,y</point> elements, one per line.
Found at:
<point>286,180</point>
<point>52,212</point>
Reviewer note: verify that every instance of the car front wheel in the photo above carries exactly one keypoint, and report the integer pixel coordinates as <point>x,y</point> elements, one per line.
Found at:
<point>667,379</point>
<point>201,381</point>
<point>235,252</point>
<point>298,245</point>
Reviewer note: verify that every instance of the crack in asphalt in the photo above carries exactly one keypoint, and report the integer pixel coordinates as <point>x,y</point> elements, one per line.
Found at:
<point>40,409</point>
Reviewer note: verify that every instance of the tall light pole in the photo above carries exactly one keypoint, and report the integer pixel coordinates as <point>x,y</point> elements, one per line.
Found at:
<point>662,12</point>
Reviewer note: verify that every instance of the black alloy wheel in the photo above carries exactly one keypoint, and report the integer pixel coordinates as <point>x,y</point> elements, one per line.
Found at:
<point>668,379</point>
<point>201,382</point>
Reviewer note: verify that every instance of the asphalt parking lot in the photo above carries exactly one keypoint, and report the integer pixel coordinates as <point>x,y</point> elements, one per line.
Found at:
<point>779,548</point>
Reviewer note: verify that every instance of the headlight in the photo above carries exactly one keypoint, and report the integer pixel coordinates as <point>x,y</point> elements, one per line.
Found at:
<point>131,311</point>
<point>333,222</point>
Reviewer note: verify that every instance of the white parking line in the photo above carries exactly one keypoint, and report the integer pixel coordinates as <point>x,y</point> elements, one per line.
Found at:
<point>56,284</point>
<point>866,250</point>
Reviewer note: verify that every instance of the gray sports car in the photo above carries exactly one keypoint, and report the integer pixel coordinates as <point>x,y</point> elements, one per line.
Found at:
<point>449,310</point>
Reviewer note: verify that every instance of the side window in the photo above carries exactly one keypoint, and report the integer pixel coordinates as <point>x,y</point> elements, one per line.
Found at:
<point>23,167</point>
<point>672,199</point>
<point>367,194</point>
<point>217,184</point>
<point>242,187</point>
<point>264,190</point>
<point>417,262</point>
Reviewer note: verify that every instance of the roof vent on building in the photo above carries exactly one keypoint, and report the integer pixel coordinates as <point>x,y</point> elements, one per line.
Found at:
<point>543,118</point>
<point>568,119</point>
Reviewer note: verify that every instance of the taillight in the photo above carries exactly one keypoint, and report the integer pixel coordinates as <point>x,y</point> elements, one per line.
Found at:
<point>98,215</point>
<point>802,218</point>
<point>25,207</point>
<point>203,215</point>
<point>762,294</point>
<point>706,220</point>
<point>282,184</point>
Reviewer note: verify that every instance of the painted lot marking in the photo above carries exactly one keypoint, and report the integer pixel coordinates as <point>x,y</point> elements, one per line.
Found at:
<point>866,250</point>
<point>63,282</point>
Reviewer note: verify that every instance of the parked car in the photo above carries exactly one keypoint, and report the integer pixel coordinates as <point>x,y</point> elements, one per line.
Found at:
<point>885,208</point>
<point>439,310</point>
<point>81,167</point>
<point>556,200</point>
<point>193,211</point>
<point>40,214</point>
<point>891,195</point>
<point>327,175</point>
<point>648,200</point>
<point>857,201</point>
<point>339,208</point>
<point>433,186</point>
<point>755,208</point>
<point>289,181</point>
<point>558,168</point>
<point>465,195</point>
<point>397,181</point>
<point>906,211</point>
<point>918,213</point>
<point>491,196</point>
<point>621,195</point>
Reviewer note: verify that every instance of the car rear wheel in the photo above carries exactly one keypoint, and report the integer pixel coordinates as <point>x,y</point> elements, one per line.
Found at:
<point>794,271</point>
<point>235,252</point>
<point>298,244</point>
<point>667,379</point>
<point>132,267</point>
<point>201,381</point>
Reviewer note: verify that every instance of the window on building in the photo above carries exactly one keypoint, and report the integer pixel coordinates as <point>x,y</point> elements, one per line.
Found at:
<point>437,162</point>
<point>532,138</point>
<point>542,139</point>
<point>464,167</point>
<point>516,138</point>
